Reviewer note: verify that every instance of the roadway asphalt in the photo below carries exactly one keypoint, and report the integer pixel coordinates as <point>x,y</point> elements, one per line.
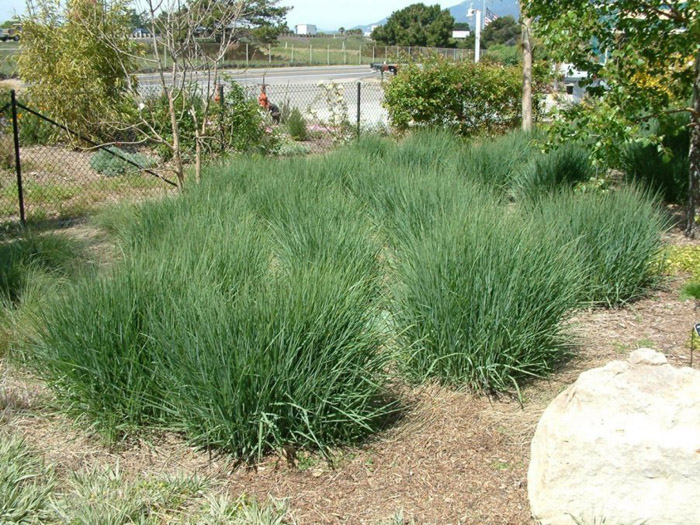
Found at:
<point>289,75</point>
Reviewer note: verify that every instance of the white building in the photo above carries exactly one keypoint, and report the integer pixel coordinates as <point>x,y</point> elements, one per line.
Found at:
<point>460,35</point>
<point>306,29</point>
<point>372,28</point>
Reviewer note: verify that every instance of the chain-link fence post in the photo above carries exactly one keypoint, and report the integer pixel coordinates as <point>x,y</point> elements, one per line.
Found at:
<point>18,163</point>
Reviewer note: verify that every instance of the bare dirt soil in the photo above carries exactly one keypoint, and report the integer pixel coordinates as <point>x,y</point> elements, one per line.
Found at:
<point>454,458</point>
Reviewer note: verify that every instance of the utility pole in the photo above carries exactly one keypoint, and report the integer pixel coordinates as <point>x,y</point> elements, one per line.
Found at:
<point>477,26</point>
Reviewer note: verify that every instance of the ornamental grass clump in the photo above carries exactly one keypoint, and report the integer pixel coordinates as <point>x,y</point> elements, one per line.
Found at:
<point>546,173</point>
<point>245,328</point>
<point>618,236</point>
<point>481,299</point>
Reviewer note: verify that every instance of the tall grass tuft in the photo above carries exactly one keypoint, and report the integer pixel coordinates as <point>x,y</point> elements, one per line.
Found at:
<point>618,237</point>
<point>481,299</point>
<point>21,259</point>
<point>246,326</point>
<point>497,162</point>
<point>550,172</point>
<point>647,166</point>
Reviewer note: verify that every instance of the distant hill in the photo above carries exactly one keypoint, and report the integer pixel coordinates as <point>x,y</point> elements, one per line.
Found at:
<point>459,11</point>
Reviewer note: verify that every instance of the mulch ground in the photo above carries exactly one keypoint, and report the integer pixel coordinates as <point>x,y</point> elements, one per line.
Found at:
<point>453,458</point>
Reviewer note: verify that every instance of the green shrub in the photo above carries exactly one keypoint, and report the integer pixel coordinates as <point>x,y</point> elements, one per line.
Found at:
<point>666,173</point>
<point>260,330</point>
<point>114,161</point>
<point>77,77</point>
<point>556,170</point>
<point>297,126</point>
<point>36,131</point>
<point>470,98</point>
<point>481,298</point>
<point>618,237</point>
<point>236,126</point>
<point>244,126</point>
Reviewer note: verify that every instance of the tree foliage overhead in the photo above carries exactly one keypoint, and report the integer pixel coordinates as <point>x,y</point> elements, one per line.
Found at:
<point>651,47</point>
<point>417,25</point>
<point>652,69</point>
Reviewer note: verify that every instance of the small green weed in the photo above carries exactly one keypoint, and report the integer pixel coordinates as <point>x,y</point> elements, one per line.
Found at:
<point>296,125</point>
<point>25,483</point>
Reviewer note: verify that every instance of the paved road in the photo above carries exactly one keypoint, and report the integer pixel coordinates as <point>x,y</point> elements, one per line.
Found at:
<point>289,75</point>
<point>298,87</point>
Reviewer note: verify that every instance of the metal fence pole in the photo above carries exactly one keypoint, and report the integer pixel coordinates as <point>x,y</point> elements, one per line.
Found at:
<point>311,54</point>
<point>18,163</point>
<point>292,53</point>
<point>359,61</point>
<point>269,53</point>
<point>328,54</point>
<point>359,106</point>
<point>247,58</point>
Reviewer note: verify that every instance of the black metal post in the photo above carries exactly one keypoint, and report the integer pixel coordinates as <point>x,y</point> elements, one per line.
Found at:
<point>359,105</point>
<point>18,164</point>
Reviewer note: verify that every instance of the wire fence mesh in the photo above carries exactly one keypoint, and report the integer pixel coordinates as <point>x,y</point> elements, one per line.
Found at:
<point>59,178</point>
<point>309,51</point>
<point>64,176</point>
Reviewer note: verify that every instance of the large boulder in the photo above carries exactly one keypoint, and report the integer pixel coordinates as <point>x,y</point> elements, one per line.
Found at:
<point>620,446</point>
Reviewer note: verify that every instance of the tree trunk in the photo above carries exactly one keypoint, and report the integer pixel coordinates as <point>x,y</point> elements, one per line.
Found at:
<point>527,73</point>
<point>694,155</point>
<point>198,159</point>
<point>177,153</point>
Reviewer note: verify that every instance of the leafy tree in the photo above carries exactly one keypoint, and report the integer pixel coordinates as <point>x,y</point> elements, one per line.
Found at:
<point>462,26</point>
<point>652,69</point>
<point>417,25</point>
<point>229,20</point>
<point>503,30</point>
<point>355,32</point>
<point>136,19</point>
<point>268,34</point>
<point>72,74</point>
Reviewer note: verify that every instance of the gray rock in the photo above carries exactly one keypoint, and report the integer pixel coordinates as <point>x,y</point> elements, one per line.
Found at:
<point>620,446</point>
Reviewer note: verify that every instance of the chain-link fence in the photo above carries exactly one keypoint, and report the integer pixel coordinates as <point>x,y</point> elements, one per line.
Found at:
<point>62,175</point>
<point>49,173</point>
<point>319,116</point>
<point>304,51</point>
<point>330,112</point>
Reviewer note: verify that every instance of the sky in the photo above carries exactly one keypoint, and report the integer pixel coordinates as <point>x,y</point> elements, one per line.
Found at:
<point>334,14</point>
<point>325,14</point>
